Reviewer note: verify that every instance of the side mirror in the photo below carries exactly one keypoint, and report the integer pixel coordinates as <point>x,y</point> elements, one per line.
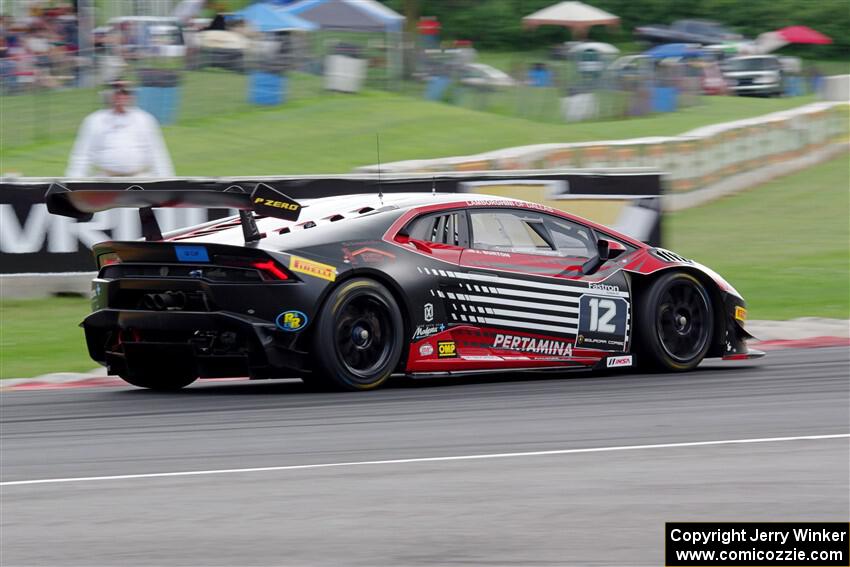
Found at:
<point>601,257</point>
<point>614,249</point>
<point>602,250</point>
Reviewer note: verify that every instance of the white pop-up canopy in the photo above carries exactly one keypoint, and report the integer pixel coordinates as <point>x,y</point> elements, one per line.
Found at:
<point>577,16</point>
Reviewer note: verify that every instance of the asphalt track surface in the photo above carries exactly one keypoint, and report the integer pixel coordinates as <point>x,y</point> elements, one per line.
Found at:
<point>515,506</point>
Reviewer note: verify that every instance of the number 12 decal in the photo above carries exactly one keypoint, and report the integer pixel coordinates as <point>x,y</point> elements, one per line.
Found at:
<point>602,322</point>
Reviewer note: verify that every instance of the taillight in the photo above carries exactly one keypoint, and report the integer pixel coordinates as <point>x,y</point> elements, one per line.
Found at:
<point>269,268</point>
<point>108,259</point>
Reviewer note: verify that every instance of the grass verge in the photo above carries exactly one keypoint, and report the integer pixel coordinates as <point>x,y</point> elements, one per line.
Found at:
<point>327,132</point>
<point>38,336</point>
<point>784,245</point>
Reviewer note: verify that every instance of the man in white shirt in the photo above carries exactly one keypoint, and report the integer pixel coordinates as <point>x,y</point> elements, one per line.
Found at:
<point>121,141</point>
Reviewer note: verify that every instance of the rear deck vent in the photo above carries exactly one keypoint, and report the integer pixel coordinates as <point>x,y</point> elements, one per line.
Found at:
<point>335,218</point>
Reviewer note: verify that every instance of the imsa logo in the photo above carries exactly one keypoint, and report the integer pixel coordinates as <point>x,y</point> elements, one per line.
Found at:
<point>446,349</point>
<point>619,361</point>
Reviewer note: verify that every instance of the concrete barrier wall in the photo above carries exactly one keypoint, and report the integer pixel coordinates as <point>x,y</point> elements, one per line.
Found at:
<point>692,161</point>
<point>836,87</point>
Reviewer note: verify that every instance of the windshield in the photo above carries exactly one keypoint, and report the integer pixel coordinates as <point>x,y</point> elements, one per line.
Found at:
<point>754,64</point>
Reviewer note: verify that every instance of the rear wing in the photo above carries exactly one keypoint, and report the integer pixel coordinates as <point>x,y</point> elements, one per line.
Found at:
<point>81,204</point>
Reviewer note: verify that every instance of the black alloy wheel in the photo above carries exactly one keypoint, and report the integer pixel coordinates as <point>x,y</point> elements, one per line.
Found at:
<point>359,337</point>
<point>675,322</point>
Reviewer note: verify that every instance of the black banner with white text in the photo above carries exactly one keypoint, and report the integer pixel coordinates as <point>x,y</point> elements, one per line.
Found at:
<point>35,241</point>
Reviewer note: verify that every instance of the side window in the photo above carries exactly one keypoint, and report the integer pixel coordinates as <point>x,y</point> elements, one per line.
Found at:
<point>571,239</point>
<point>526,232</point>
<point>511,231</point>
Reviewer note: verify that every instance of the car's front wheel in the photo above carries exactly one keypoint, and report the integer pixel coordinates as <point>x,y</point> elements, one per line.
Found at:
<point>359,336</point>
<point>675,322</point>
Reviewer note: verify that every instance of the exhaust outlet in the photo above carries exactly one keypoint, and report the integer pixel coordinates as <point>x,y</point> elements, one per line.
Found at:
<point>175,300</point>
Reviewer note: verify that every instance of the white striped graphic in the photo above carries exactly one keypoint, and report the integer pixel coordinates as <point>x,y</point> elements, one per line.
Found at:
<point>526,325</point>
<point>565,302</point>
<point>538,295</point>
<point>539,316</point>
<point>517,303</point>
<point>564,288</point>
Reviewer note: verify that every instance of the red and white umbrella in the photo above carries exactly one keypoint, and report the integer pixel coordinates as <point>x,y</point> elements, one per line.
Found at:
<point>773,40</point>
<point>803,34</point>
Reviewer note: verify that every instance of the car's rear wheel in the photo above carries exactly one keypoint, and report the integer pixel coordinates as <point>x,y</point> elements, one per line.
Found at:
<point>359,336</point>
<point>163,382</point>
<point>675,322</point>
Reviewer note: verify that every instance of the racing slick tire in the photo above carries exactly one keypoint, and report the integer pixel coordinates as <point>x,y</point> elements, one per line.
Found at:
<point>675,323</point>
<point>359,337</point>
<point>161,382</point>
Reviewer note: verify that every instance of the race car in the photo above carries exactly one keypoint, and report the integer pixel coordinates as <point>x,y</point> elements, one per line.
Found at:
<point>346,292</point>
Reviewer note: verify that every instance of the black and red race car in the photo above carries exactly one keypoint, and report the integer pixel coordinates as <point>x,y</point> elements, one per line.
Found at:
<point>348,291</point>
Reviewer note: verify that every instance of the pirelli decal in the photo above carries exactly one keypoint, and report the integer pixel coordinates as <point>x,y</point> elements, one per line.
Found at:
<point>312,268</point>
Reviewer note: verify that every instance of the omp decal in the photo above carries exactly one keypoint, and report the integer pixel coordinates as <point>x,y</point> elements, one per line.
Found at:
<point>618,361</point>
<point>312,268</point>
<point>740,313</point>
<point>533,345</point>
<point>291,321</point>
<point>191,253</point>
<point>426,350</point>
<point>446,349</point>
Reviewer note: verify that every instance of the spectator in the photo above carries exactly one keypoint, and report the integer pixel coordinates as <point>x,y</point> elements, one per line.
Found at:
<point>122,141</point>
<point>429,29</point>
<point>539,76</point>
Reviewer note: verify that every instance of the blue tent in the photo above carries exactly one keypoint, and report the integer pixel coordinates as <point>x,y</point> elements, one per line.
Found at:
<point>347,15</point>
<point>265,17</point>
<point>673,50</point>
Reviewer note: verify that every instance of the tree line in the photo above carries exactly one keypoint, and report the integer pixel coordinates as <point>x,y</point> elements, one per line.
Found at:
<point>496,24</point>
